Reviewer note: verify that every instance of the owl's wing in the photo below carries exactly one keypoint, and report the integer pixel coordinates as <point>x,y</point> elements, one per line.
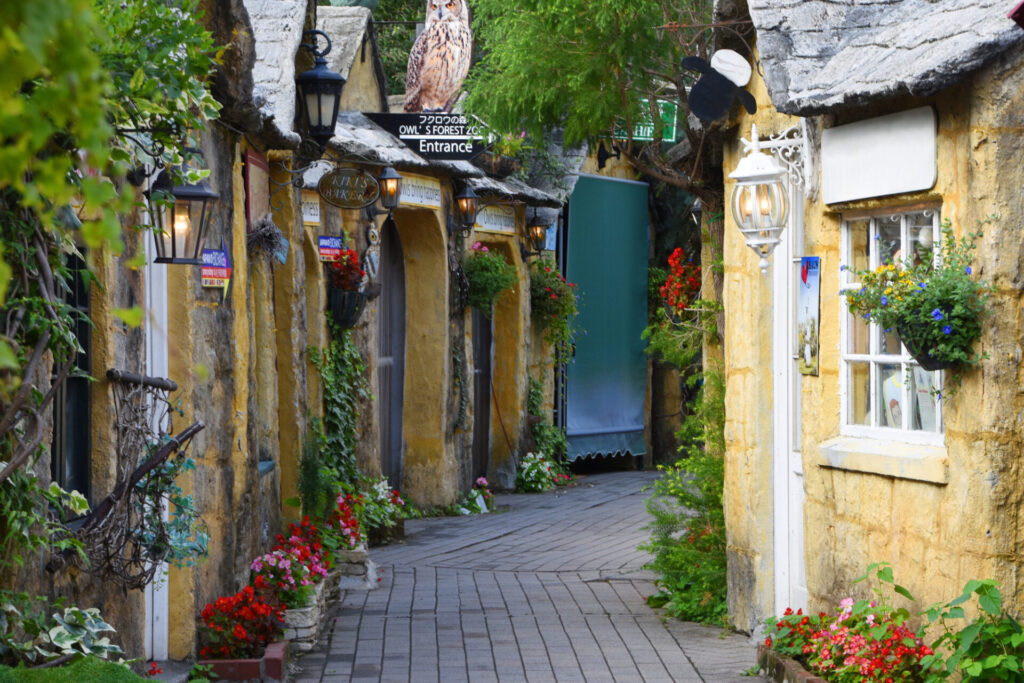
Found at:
<point>412,74</point>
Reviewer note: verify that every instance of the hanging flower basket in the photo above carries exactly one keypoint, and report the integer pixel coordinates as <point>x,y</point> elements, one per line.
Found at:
<point>915,337</point>
<point>345,306</point>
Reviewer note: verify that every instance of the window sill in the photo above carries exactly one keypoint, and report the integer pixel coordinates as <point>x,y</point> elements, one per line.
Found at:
<point>886,458</point>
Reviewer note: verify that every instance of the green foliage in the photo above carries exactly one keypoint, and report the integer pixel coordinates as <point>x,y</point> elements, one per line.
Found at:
<point>29,636</point>
<point>550,439</point>
<point>536,473</point>
<point>936,308</point>
<point>989,647</point>
<point>489,274</point>
<point>316,480</point>
<point>688,530</point>
<point>343,376</point>
<point>184,538</point>
<point>554,305</point>
<point>31,518</point>
<point>374,502</point>
<point>395,40</point>
<point>85,670</point>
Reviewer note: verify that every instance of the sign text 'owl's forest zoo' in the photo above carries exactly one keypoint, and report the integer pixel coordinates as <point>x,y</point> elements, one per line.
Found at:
<point>434,135</point>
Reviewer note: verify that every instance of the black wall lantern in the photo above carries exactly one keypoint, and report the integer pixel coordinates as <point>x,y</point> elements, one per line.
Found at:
<point>467,205</point>
<point>537,235</point>
<point>181,215</point>
<point>319,91</point>
<point>390,188</point>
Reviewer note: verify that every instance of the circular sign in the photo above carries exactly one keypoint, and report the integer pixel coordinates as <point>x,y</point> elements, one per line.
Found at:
<point>349,188</point>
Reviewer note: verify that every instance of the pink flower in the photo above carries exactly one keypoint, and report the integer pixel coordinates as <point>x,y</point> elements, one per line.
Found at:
<point>482,481</point>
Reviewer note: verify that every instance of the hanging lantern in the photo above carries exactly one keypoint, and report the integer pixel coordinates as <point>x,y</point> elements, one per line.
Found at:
<point>537,232</point>
<point>390,188</point>
<point>760,204</point>
<point>319,93</point>
<point>467,204</point>
<point>180,226</point>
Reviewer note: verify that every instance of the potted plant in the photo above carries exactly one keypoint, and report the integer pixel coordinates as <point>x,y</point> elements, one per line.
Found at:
<point>241,636</point>
<point>344,298</point>
<point>553,306</point>
<point>489,274</point>
<point>934,304</point>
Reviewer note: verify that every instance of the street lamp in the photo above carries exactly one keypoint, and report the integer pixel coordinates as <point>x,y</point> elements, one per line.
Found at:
<point>181,214</point>
<point>319,93</point>
<point>760,205</point>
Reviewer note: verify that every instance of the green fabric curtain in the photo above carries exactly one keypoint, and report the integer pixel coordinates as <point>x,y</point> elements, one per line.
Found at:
<point>607,258</point>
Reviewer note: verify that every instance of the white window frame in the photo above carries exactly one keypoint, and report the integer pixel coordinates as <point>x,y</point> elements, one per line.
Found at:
<point>874,358</point>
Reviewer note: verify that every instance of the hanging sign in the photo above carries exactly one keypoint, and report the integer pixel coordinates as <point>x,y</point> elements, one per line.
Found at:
<point>434,135</point>
<point>349,188</point>
<point>216,269</point>
<point>421,191</point>
<point>330,248</point>
<point>643,130</point>
<point>310,208</point>
<point>497,219</point>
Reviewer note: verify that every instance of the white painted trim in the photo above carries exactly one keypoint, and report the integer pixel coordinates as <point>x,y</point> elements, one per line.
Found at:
<point>157,594</point>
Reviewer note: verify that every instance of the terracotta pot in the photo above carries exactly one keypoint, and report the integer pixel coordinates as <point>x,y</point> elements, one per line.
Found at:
<point>270,667</point>
<point>345,306</point>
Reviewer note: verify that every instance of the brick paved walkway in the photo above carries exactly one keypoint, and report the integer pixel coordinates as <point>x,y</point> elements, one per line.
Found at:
<point>551,590</point>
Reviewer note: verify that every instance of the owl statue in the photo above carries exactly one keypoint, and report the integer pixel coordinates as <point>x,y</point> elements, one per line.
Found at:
<point>439,59</point>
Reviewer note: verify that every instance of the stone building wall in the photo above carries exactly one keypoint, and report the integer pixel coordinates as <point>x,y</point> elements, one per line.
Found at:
<point>940,521</point>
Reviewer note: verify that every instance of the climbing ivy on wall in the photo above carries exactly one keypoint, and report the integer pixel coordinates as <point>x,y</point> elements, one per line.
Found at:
<point>343,374</point>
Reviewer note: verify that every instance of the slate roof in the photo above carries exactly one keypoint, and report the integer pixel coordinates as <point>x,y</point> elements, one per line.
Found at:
<point>276,33</point>
<point>820,55</point>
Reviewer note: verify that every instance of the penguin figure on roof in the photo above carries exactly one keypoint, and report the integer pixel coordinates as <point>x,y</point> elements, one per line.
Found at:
<point>721,83</point>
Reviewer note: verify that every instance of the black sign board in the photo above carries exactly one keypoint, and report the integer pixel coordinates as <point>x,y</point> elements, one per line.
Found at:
<point>434,135</point>
<point>348,188</point>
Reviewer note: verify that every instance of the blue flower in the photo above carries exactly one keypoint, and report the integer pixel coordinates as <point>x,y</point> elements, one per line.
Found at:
<point>885,300</point>
<point>842,267</point>
<point>937,314</point>
<point>865,316</point>
<point>877,236</point>
<point>968,269</point>
<point>888,330</point>
<point>922,285</point>
<point>946,329</point>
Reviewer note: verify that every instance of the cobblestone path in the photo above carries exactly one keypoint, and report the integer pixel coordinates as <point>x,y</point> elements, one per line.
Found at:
<point>551,590</point>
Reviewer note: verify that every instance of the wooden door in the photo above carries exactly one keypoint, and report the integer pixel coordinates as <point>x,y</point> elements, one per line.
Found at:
<point>483,341</point>
<point>391,358</point>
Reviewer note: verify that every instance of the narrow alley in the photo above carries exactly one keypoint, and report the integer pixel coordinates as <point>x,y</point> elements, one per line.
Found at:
<point>551,589</point>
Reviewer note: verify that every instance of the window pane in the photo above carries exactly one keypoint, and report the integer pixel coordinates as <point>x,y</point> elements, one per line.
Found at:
<point>888,341</point>
<point>857,330</point>
<point>860,244</point>
<point>859,395</point>
<point>924,402</point>
<point>921,233</point>
<point>890,395</point>
<point>887,235</point>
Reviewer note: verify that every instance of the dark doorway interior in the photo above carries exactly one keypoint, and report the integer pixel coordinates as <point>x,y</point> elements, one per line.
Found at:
<point>483,338</point>
<point>391,359</point>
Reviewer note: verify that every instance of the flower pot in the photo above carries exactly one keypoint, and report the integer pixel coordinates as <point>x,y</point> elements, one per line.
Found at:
<point>345,306</point>
<point>911,334</point>
<point>497,165</point>
<point>270,667</point>
<point>782,669</point>
<point>302,624</point>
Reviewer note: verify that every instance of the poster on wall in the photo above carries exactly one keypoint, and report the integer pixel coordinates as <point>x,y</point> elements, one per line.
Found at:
<point>808,304</point>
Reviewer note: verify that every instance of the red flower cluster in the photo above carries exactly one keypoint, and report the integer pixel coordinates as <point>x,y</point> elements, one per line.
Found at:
<point>683,282</point>
<point>343,521</point>
<point>851,645</point>
<point>345,272</point>
<point>305,545</point>
<point>239,626</point>
<point>154,670</point>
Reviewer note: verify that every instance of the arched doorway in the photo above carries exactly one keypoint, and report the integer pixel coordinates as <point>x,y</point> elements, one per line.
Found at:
<point>391,348</point>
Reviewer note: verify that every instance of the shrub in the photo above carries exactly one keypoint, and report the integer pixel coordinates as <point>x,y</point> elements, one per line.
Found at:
<point>536,473</point>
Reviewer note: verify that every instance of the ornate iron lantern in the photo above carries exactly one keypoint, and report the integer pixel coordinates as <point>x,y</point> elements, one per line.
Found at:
<point>760,202</point>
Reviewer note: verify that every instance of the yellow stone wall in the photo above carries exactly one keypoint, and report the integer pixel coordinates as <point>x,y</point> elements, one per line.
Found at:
<point>942,522</point>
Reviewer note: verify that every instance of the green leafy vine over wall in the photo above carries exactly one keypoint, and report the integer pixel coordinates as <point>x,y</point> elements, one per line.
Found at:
<point>343,374</point>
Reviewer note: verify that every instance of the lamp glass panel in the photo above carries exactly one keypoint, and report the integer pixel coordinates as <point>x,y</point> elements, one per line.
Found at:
<point>313,110</point>
<point>181,229</point>
<point>327,100</point>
